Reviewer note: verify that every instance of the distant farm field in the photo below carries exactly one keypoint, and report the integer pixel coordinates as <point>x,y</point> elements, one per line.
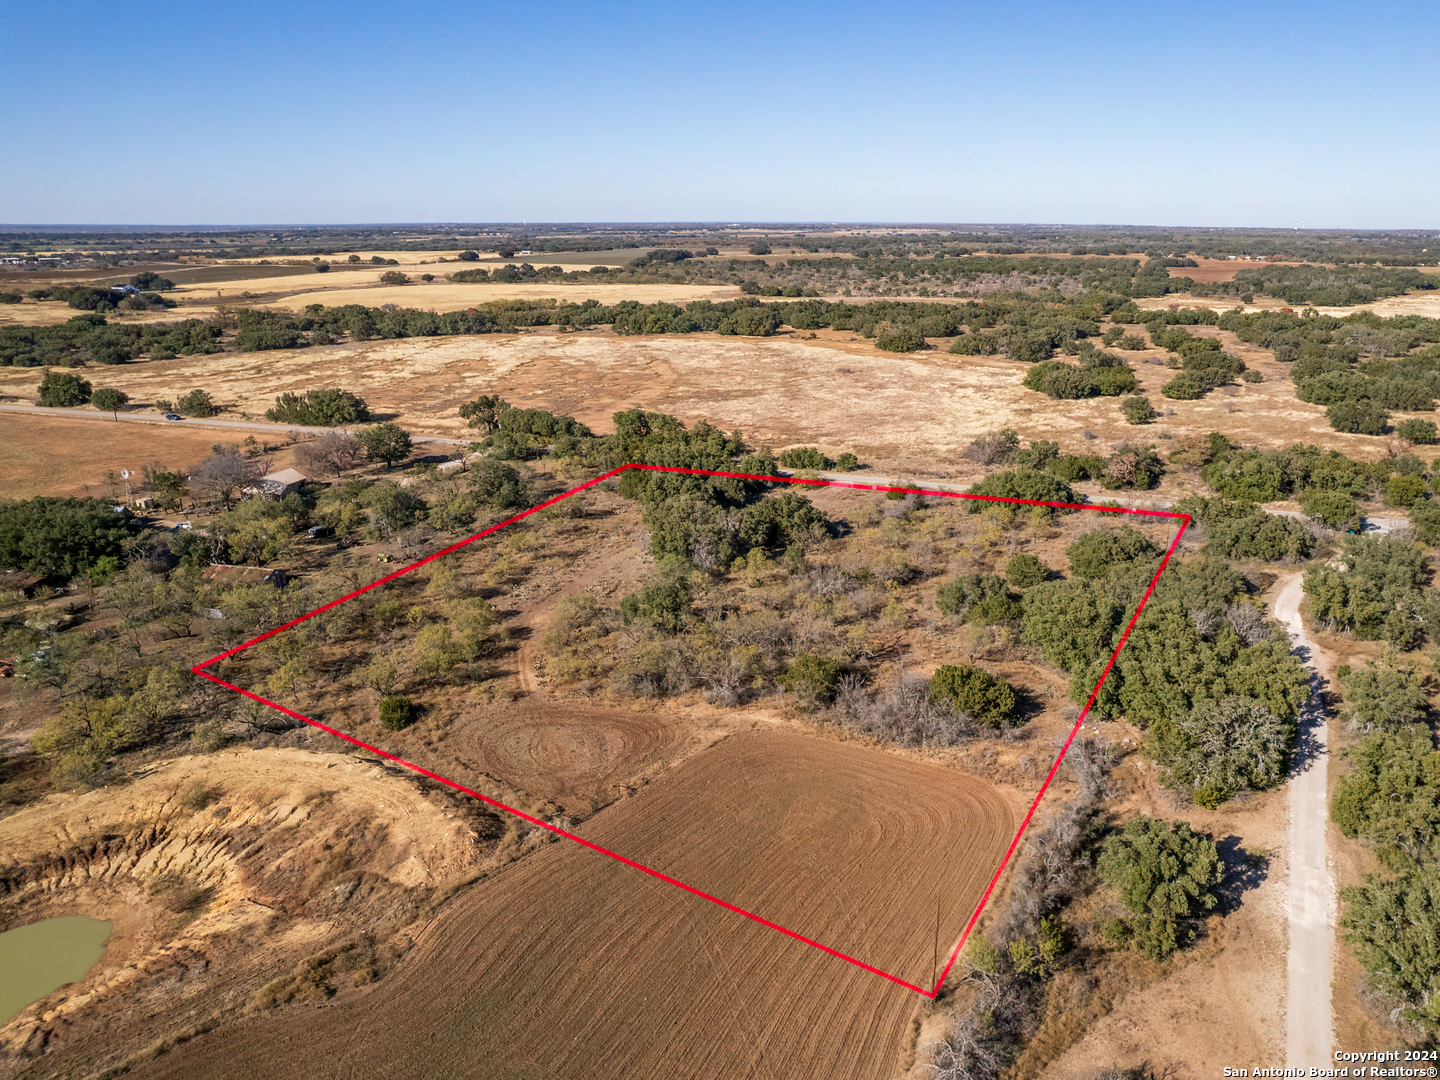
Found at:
<point>573,964</point>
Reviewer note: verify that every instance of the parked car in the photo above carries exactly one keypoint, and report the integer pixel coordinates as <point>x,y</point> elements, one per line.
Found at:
<point>173,416</point>
<point>315,532</point>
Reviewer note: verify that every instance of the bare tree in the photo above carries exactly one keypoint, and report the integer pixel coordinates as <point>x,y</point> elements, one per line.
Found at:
<point>223,475</point>
<point>331,453</point>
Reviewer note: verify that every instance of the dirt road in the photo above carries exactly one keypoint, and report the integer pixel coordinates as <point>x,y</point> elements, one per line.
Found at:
<point>1309,1028</point>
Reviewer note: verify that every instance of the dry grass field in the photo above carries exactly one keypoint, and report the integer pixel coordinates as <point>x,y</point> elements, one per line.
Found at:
<point>847,843</point>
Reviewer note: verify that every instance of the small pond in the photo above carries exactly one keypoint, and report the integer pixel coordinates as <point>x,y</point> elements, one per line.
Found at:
<point>40,957</point>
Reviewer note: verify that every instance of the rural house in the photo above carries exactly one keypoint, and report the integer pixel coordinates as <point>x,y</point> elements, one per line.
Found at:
<point>278,484</point>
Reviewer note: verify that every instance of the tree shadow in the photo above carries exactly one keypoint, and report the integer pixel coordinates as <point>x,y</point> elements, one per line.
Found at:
<point>1309,747</point>
<point>1243,872</point>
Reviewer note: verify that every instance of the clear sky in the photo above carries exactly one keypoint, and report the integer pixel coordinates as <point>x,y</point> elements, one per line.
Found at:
<point>1266,114</point>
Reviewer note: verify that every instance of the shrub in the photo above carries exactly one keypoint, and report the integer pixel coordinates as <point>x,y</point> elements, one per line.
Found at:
<point>759,247</point>
<point>847,462</point>
<point>1137,409</point>
<point>804,457</point>
<point>1394,925</point>
<point>1404,491</point>
<point>1425,520</point>
<point>813,679</point>
<point>1060,380</point>
<point>1187,386</point>
<point>397,712</point>
<point>196,403</point>
<point>1391,795</point>
<point>469,256</point>
<point>955,598</point>
<point>1333,509</point>
<point>319,408</point>
<point>900,339</point>
<point>1102,552</point>
<point>1357,417</point>
<point>1379,699</point>
<point>1420,432</point>
<point>1024,570</point>
<point>1252,376</point>
<point>983,697</point>
<point>1165,873</point>
<point>394,277</point>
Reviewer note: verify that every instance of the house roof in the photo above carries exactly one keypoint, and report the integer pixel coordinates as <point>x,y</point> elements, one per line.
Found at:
<point>285,476</point>
<point>254,575</point>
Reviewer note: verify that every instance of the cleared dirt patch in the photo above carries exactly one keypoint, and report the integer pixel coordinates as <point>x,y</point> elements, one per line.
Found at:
<point>43,455</point>
<point>571,964</point>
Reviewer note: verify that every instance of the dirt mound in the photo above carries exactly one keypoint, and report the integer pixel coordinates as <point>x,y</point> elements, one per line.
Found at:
<point>571,964</point>
<point>219,872</point>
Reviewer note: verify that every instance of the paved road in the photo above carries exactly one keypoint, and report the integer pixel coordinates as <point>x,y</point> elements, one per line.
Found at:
<point>281,430</point>
<point>1309,1035</point>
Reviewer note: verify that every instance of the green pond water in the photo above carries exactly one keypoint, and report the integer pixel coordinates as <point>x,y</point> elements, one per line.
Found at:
<point>38,958</point>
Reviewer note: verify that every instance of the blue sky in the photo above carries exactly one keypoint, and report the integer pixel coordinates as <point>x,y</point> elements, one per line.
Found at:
<point>1267,114</point>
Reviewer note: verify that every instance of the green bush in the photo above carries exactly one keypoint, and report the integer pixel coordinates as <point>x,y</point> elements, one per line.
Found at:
<point>1221,748</point>
<point>1391,795</point>
<point>1137,409</point>
<point>813,679</point>
<point>955,598</point>
<point>1404,492</point>
<point>1333,509</point>
<point>1102,552</point>
<point>1420,432</point>
<point>1187,386</point>
<point>1425,520</point>
<point>319,408</point>
<point>1024,570</point>
<point>981,696</point>
<point>61,390</point>
<point>847,462</point>
<point>1394,925</point>
<point>1060,380</point>
<point>1357,417</point>
<point>196,403</point>
<point>901,339</point>
<point>1165,873</point>
<point>1379,699</point>
<point>397,712</point>
<point>804,457</point>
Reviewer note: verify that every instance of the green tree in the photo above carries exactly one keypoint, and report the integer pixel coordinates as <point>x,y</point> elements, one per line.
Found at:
<point>1394,926</point>
<point>1425,520</point>
<point>1358,417</point>
<point>1333,509</point>
<point>394,277</point>
<point>498,485</point>
<point>1419,432</point>
<point>1382,698</point>
<point>1391,795</point>
<point>319,408</point>
<point>387,442</point>
<point>108,399</point>
<point>61,390</point>
<point>60,537</point>
<point>1165,873</point>
<point>1404,492</point>
<point>759,247</point>
<point>1101,552</point>
<point>983,697</point>
<point>484,412</point>
<point>196,403</point>
<point>1222,748</point>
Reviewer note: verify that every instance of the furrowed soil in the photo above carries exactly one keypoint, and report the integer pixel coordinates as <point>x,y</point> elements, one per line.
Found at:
<point>572,964</point>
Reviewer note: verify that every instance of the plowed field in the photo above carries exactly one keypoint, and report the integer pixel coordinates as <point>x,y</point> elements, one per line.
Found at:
<point>571,964</point>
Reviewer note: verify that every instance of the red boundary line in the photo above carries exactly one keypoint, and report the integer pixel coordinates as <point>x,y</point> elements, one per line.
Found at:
<point>198,669</point>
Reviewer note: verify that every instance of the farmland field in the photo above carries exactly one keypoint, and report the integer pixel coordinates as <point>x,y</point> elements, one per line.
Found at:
<point>572,964</point>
